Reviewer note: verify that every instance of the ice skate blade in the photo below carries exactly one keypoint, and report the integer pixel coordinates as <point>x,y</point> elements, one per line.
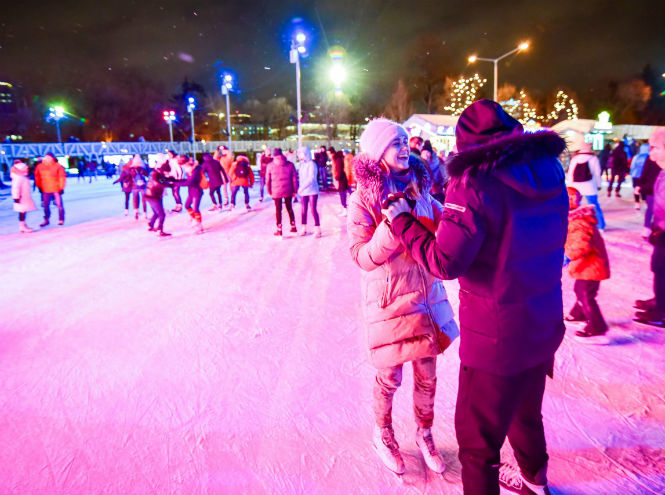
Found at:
<point>395,473</point>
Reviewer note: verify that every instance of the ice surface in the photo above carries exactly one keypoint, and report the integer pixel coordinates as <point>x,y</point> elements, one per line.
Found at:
<point>232,362</point>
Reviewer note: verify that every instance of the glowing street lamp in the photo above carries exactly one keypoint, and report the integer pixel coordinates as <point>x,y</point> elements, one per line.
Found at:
<point>55,114</point>
<point>191,106</point>
<point>337,70</point>
<point>227,86</point>
<point>298,49</point>
<point>520,48</point>
<point>169,117</point>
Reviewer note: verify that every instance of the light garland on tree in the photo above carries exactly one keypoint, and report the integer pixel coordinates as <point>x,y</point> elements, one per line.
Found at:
<point>563,102</point>
<point>463,92</point>
<point>521,109</point>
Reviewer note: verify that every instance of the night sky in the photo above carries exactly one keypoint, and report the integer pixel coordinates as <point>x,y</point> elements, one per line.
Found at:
<point>582,44</point>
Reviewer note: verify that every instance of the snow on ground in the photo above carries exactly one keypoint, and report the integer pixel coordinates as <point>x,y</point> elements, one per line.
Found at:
<point>232,362</point>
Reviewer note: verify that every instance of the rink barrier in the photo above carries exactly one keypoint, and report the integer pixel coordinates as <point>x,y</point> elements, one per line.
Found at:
<point>97,150</point>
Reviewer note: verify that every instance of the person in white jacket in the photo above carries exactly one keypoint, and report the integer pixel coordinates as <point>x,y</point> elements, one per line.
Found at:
<point>21,193</point>
<point>584,175</point>
<point>309,188</point>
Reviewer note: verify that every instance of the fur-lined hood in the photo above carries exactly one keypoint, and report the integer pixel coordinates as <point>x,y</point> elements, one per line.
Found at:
<point>588,212</point>
<point>525,162</point>
<point>372,180</point>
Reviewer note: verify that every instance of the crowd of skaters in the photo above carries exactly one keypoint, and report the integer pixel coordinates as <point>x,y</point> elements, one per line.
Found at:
<point>417,217</point>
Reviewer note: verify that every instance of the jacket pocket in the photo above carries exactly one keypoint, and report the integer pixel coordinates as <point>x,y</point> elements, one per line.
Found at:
<point>384,299</point>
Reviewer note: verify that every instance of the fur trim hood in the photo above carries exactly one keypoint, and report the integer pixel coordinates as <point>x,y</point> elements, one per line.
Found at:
<point>587,212</point>
<point>525,162</point>
<point>372,180</point>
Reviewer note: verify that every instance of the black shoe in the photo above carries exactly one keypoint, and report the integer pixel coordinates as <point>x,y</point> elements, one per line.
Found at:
<point>278,232</point>
<point>44,223</point>
<point>573,318</point>
<point>589,333</point>
<point>163,234</point>
<point>61,222</point>
<point>645,304</point>
<point>293,228</point>
<point>152,229</point>
<point>650,317</point>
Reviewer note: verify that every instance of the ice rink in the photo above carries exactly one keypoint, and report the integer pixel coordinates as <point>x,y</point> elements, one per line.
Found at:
<point>233,362</point>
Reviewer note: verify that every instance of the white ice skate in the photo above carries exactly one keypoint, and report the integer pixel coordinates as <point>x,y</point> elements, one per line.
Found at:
<point>425,443</point>
<point>388,450</point>
<point>511,480</point>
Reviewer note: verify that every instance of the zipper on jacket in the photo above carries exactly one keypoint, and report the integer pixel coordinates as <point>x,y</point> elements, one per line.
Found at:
<point>427,306</point>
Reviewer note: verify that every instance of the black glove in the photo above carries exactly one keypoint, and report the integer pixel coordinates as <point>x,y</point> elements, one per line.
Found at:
<point>17,200</point>
<point>61,192</point>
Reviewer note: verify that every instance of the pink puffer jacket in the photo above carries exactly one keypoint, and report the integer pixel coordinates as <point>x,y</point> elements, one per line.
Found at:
<point>406,310</point>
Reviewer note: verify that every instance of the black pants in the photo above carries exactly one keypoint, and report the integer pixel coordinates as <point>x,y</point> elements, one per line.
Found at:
<point>128,194</point>
<point>215,191</point>
<point>194,200</point>
<point>21,216</point>
<point>306,201</point>
<point>234,191</point>
<point>323,177</point>
<point>176,194</point>
<point>139,196</point>
<point>289,210</point>
<point>586,306</point>
<point>658,269</point>
<point>491,407</point>
<point>157,213</point>
<point>342,197</point>
<point>620,178</point>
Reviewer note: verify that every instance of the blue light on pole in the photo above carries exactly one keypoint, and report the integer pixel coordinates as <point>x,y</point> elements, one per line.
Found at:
<point>298,49</point>
<point>227,87</point>
<point>55,114</point>
<point>191,106</point>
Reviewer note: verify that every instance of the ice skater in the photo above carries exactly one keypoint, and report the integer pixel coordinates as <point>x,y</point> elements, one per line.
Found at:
<point>282,184</point>
<point>194,191</point>
<point>154,193</point>
<point>589,265</point>
<point>50,179</point>
<point>408,317</point>
<point>216,177</point>
<point>23,202</point>
<point>126,184</point>
<point>309,189</point>
<point>139,181</point>
<point>242,176</point>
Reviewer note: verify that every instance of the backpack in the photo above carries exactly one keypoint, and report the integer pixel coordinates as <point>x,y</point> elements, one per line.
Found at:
<point>203,183</point>
<point>582,172</point>
<point>242,169</point>
<point>139,179</point>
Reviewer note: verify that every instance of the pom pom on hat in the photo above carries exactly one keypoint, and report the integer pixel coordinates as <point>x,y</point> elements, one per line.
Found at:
<point>377,136</point>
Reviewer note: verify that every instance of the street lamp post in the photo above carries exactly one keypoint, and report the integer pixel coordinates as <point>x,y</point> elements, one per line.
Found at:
<point>227,85</point>
<point>169,117</point>
<point>191,106</point>
<point>298,48</point>
<point>521,47</point>
<point>56,113</point>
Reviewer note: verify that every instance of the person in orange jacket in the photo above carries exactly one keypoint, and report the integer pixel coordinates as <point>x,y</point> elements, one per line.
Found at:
<point>225,157</point>
<point>241,175</point>
<point>50,178</point>
<point>589,265</point>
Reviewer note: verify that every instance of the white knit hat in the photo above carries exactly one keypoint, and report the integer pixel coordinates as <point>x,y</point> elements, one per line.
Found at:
<point>377,136</point>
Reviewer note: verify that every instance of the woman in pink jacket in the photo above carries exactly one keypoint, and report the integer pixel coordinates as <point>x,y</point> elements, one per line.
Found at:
<point>406,310</point>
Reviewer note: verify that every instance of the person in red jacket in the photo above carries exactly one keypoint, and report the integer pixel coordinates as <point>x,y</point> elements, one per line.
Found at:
<point>241,175</point>
<point>589,265</point>
<point>50,178</point>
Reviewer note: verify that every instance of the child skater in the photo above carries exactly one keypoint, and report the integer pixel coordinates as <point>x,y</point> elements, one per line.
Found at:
<point>589,265</point>
<point>407,315</point>
<point>23,202</point>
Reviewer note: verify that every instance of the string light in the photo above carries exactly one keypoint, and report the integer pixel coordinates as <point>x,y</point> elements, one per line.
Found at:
<point>463,92</point>
<point>562,103</point>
